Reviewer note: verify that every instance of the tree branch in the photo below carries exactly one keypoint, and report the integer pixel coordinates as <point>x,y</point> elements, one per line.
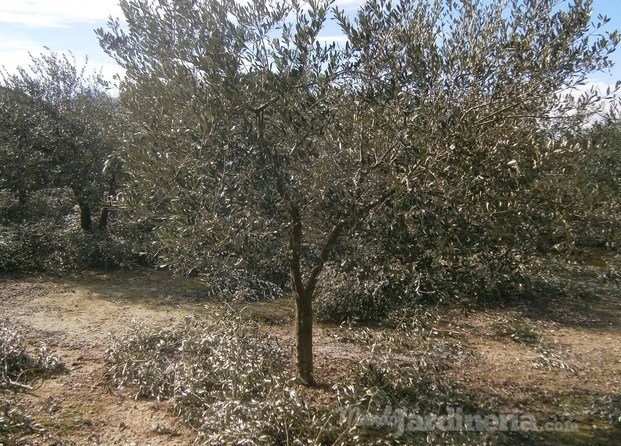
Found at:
<point>295,247</point>
<point>323,256</point>
<point>333,236</point>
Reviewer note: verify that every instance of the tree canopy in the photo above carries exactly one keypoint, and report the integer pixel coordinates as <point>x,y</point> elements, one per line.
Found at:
<point>409,150</point>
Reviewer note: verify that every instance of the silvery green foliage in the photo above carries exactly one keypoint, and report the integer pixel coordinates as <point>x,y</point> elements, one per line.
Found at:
<point>45,235</point>
<point>607,407</point>
<point>241,286</point>
<point>58,128</point>
<point>230,383</point>
<point>14,423</point>
<point>424,137</point>
<point>223,377</point>
<point>18,365</point>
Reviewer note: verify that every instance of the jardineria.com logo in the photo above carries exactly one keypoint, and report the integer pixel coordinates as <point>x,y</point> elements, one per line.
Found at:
<point>401,420</point>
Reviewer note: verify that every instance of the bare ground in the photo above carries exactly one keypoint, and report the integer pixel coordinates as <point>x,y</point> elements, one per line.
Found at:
<point>575,359</point>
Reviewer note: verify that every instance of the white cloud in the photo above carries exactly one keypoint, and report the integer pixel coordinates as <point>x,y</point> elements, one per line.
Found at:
<point>110,71</point>
<point>338,39</point>
<point>349,4</point>
<point>606,91</point>
<point>56,13</point>
<point>28,26</point>
<point>14,52</point>
<point>609,102</point>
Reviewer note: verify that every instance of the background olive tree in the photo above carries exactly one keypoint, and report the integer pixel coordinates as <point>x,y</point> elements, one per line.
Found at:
<point>405,155</point>
<point>58,130</point>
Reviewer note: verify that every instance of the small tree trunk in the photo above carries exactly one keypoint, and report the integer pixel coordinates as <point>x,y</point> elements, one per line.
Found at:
<point>22,196</point>
<point>303,301</point>
<point>103,218</point>
<point>105,211</point>
<point>304,338</point>
<point>86,221</point>
<point>304,292</point>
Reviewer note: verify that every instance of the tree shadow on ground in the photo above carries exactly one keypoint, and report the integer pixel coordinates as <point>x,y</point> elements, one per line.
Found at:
<point>576,304</point>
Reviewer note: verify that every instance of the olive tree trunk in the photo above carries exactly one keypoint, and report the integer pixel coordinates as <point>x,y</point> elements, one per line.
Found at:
<point>304,292</point>
<point>105,211</point>
<point>86,221</point>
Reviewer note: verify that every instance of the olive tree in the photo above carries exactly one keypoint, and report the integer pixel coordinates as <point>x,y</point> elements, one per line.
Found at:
<point>58,129</point>
<point>244,127</point>
<point>233,134</point>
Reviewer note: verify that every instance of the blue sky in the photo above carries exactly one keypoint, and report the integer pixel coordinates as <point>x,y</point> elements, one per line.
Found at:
<point>29,25</point>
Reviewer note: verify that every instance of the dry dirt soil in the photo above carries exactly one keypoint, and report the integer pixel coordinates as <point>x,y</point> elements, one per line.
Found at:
<point>574,360</point>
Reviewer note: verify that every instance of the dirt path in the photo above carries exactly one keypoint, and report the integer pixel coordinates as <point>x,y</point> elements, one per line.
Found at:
<point>565,365</point>
<point>76,320</point>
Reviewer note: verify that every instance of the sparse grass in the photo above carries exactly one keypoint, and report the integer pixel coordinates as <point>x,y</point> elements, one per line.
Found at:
<point>223,377</point>
<point>527,333</point>
<point>233,385</point>
<point>229,376</point>
<point>18,366</point>
<point>279,312</point>
<point>222,374</point>
<point>607,407</point>
<point>13,421</point>
<point>519,330</point>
